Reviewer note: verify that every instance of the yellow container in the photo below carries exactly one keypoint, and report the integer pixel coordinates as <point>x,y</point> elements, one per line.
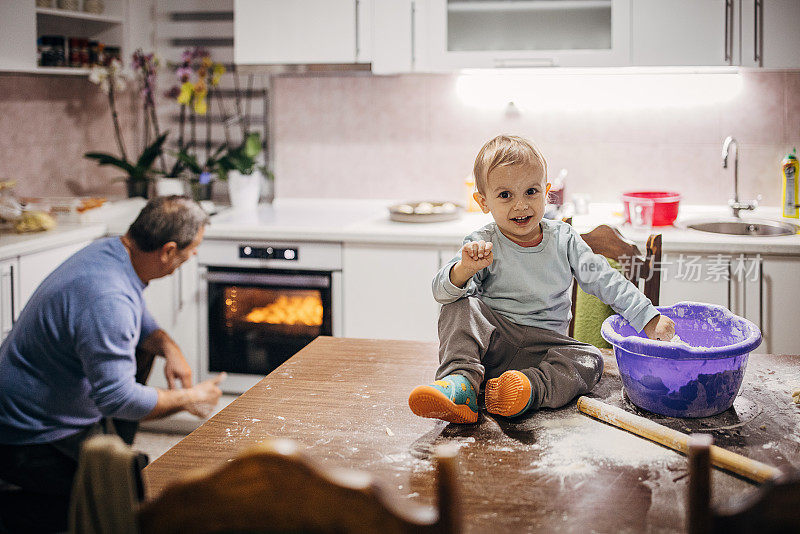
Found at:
<point>789,195</point>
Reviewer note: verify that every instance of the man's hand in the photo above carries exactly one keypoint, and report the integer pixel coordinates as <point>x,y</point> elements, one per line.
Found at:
<point>177,368</point>
<point>475,255</point>
<point>204,396</point>
<point>661,328</point>
<point>198,400</point>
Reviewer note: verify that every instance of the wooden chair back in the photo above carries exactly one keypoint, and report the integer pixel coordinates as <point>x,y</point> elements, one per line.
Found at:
<point>274,487</point>
<point>641,269</point>
<point>772,509</point>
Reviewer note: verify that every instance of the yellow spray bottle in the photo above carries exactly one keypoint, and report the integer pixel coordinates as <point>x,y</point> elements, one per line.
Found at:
<point>790,196</point>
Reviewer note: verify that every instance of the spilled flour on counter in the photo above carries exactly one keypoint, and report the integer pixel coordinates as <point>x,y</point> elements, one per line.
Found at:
<point>578,446</point>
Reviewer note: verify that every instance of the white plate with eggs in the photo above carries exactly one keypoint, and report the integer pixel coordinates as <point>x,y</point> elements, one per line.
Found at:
<point>424,211</point>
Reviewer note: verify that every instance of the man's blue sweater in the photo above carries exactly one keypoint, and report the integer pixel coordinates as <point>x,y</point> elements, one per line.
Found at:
<point>70,358</point>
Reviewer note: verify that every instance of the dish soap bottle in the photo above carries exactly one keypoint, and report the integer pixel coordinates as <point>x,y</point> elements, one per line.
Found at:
<point>790,197</point>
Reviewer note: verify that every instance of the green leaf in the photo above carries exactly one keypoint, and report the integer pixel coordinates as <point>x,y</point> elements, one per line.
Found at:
<point>219,151</point>
<point>108,159</point>
<point>191,162</point>
<point>150,153</point>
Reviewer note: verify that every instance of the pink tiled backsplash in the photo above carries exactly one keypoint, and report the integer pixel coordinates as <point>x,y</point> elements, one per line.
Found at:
<point>411,137</point>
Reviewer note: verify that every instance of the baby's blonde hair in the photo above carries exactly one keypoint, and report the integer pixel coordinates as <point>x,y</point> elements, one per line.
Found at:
<point>505,150</point>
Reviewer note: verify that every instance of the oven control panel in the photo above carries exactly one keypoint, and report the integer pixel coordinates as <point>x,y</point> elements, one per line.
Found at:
<point>268,253</point>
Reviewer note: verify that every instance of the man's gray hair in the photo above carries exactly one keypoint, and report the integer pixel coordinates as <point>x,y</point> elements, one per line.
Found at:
<point>172,218</point>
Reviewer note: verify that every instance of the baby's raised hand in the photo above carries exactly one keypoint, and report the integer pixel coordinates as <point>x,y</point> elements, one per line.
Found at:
<point>661,328</point>
<point>476,255</point>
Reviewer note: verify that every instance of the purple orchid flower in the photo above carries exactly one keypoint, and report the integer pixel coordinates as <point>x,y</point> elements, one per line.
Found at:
<point>183,74</point>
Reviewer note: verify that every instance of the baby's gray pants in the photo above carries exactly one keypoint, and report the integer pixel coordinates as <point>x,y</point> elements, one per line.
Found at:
<point>480,344</point>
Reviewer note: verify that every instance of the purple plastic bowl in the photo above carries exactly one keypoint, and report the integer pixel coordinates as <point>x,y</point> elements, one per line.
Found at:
<point>699,377</point>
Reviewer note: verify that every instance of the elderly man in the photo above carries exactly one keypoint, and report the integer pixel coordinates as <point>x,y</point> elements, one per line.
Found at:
<point>69,365</point>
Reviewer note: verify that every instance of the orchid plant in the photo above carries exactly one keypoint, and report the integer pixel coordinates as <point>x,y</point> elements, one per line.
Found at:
<point>198,75</point>
<point>113,79</point>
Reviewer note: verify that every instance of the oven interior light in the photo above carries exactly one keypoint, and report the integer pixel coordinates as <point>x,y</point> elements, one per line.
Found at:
<point>290,310</point>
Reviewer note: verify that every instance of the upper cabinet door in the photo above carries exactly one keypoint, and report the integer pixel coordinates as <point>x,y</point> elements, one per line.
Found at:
<point>457,34</point>
<point>18,30</point>
<point>280,32</point>
<point>771,33</point>
<point>684,32</point>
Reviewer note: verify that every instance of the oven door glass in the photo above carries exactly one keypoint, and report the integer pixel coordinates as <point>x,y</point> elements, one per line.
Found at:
<point>258,318</point>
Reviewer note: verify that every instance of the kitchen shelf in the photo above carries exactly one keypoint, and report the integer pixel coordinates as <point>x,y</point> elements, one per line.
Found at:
<point>77,15</point>
<point>63,71</point>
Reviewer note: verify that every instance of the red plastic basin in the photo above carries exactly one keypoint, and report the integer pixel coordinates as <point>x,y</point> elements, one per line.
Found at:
<point>665,205</point>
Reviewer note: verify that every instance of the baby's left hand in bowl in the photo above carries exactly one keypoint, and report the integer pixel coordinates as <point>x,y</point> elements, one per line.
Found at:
<point>661,328</point>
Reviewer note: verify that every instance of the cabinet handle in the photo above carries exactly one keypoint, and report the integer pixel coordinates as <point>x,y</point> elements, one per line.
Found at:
<point>357,32</point>
<point>180,289</point>
<point>413,34</point>
<point>761,294</point>
<point>8,323</point>
<point>730,275</point>
<point>729,31</point>
<point>524,62</point>
<point>758,32</point>
<point>13,304</point>
<point>743,286</point>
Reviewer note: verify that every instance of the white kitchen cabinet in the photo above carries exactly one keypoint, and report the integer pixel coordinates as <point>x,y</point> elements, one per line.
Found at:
<point>387,291</point>
<point>763,289</point>
<point>696,277</point>
<point>750,33</point>
<point>35,267</point>
<point>684,32</point>
<point>123,24</point>
<point>173,301</point>
<point>9,295</point>
<point>18,28</point>
<point>456,34</point>
<point>277,32</point>
<point>392,36</point>
<point>769,33</point>
<point>769,295</point>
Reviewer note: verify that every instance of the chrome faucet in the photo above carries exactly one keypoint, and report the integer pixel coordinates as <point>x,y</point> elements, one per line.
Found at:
<point>734,203</point>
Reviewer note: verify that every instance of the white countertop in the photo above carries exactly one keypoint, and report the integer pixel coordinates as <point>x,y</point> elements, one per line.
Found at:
<point>64,234</point>
<point>367,221</point>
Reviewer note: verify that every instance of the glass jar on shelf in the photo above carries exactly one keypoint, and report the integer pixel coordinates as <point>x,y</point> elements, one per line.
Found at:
<point>74,53</point>
<point>51,51</point>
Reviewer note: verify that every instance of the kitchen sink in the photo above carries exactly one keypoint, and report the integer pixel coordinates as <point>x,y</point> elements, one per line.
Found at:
<point>754,227</point>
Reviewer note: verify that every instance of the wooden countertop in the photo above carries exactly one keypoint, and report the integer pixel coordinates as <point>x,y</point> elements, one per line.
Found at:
<point>346,401</point>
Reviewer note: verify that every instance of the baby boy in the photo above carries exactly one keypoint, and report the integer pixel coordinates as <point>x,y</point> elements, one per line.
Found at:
<point>507,300</point>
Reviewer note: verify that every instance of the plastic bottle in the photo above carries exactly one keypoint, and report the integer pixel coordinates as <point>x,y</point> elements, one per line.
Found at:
<point>469,189</point>
<point>789,167</point>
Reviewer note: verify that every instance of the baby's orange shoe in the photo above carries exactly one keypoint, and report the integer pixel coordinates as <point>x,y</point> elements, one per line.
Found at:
<point>451,399</point>
<point>509,394</point>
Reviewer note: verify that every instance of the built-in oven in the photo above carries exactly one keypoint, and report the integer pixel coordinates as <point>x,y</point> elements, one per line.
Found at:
<point>265,302</point>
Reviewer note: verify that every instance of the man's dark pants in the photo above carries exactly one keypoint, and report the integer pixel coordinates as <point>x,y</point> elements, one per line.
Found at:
<point>39,477</point>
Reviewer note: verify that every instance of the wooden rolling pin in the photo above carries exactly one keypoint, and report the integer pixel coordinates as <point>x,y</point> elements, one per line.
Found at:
<point>722,458</point>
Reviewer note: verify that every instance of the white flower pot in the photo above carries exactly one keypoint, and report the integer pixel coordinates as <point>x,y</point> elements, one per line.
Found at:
<point>244,190</point>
